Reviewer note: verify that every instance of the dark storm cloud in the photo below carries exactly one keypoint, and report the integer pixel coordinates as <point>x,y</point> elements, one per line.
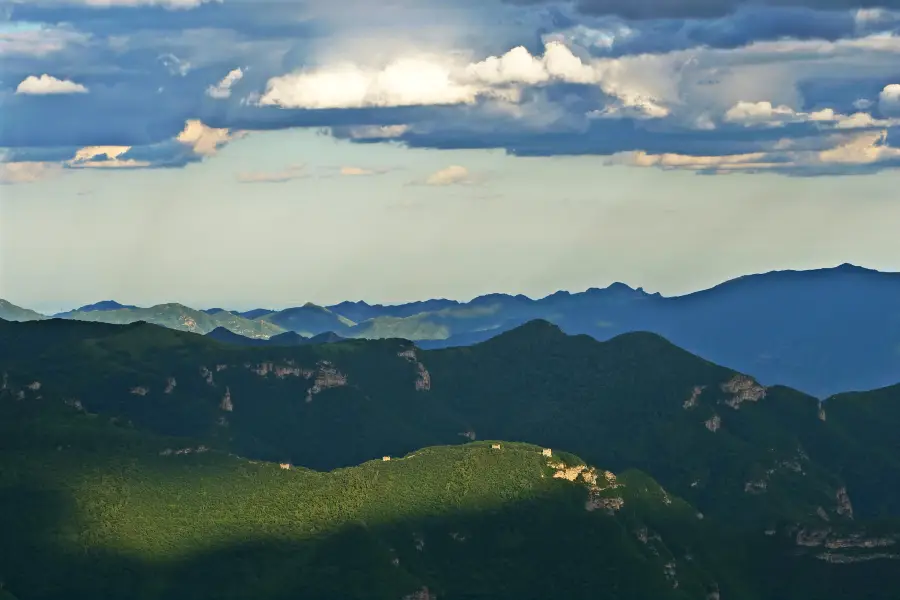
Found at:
<point>264,18</point>
<point>703,9</point>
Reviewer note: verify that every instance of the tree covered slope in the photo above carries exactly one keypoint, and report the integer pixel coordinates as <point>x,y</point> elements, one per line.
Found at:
<point>92,508</point>
<point>761,480</point>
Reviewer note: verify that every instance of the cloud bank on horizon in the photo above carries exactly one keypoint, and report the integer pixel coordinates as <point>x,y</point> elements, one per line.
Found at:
<point>798,87</point>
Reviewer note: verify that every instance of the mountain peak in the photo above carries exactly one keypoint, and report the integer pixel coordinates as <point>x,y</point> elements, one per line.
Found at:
<point>851,268</point>
<point>104,305</point>
<point>534,329</point>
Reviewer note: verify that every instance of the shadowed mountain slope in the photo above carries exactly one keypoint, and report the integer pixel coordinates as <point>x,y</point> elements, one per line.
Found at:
<point>94,507</point>
<point>728,445</point>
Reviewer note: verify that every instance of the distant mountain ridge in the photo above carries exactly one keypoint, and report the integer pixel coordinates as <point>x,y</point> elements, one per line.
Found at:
<point>288,338</point>
<point>823,331</point>
<point>103,305</point>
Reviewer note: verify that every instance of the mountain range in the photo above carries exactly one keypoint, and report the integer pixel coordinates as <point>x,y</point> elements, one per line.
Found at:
<point>140,461</point>
<point>822,331</point>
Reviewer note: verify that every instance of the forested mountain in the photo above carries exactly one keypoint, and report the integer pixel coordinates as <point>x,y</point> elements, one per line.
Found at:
<point>136,457</point>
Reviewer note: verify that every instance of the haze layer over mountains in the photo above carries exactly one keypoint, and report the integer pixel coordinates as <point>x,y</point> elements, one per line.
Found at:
<point>823,331</point>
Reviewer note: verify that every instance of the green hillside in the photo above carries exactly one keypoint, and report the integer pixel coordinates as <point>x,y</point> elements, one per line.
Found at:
<point>181,318</point>
<point>94,509</point>
<point>633,402</point>
<point>782,484</point>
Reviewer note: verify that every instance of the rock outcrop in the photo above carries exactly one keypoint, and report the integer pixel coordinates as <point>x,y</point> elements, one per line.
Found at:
<point>420,594</point>
<point>596,482</point>
<point>227,405</point>
<point>756,487</point>
<point>327,376</point>
<point>423,377</point>
<point>281,371</point>
<point>183,451</point>
<point>74,403</point>
<point>844,506</point>
<point>742,389</point>
<point>695,397</point>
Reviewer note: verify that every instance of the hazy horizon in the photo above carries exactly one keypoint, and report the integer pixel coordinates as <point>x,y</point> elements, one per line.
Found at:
<point>234,308</point>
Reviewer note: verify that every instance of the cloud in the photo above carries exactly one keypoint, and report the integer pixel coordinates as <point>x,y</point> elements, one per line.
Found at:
<point>169,4</point>
<point>204,140</point>
<point>104,157</point>
<point>222,89</point>
<point>377,132</point>
<point>702,9</point>
<point>560,78</point>
<point>889,99</point>
<point>288,174</point>
<point>764,114</point>
<point>47,84</point>
<point>452,175</point>
<point>404,82</point>
<point>40,41</point>
<point>848,154</point>
<point>359,171</point>
<point>27,172</point>
<point>434,80</point>
<point>195,142</point>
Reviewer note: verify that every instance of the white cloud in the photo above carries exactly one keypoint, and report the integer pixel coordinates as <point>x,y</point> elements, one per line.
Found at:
<point>452,175</point>
<point>859,149</point>
<point>47,84</point>
<point>765,114</point>
<point>864,17</point>
<point>89,157</point>
<point>288,174</point>
<point>222,89</point>
<point>404,82</point>
<point>436,80</point>
<point>378,131</point>
<point>205,140</point>
<point>171,4</point>
<point>889,99</point>
<point>359,171</point>
<point>39,42</point>
<point>519,66</point>
<point>27,171</point>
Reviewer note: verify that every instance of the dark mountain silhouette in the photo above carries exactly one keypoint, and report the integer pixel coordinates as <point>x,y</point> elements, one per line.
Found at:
<point>288,338</point>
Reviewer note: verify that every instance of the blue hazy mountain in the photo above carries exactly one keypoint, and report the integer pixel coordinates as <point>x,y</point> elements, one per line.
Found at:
<point>822,331</point>
<point>96,306</point>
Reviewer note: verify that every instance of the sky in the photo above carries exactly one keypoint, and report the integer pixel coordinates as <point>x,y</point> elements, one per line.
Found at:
<point>244,154</point>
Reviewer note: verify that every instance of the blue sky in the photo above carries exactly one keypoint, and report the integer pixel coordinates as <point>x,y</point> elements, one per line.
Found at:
<point>274,153</point>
